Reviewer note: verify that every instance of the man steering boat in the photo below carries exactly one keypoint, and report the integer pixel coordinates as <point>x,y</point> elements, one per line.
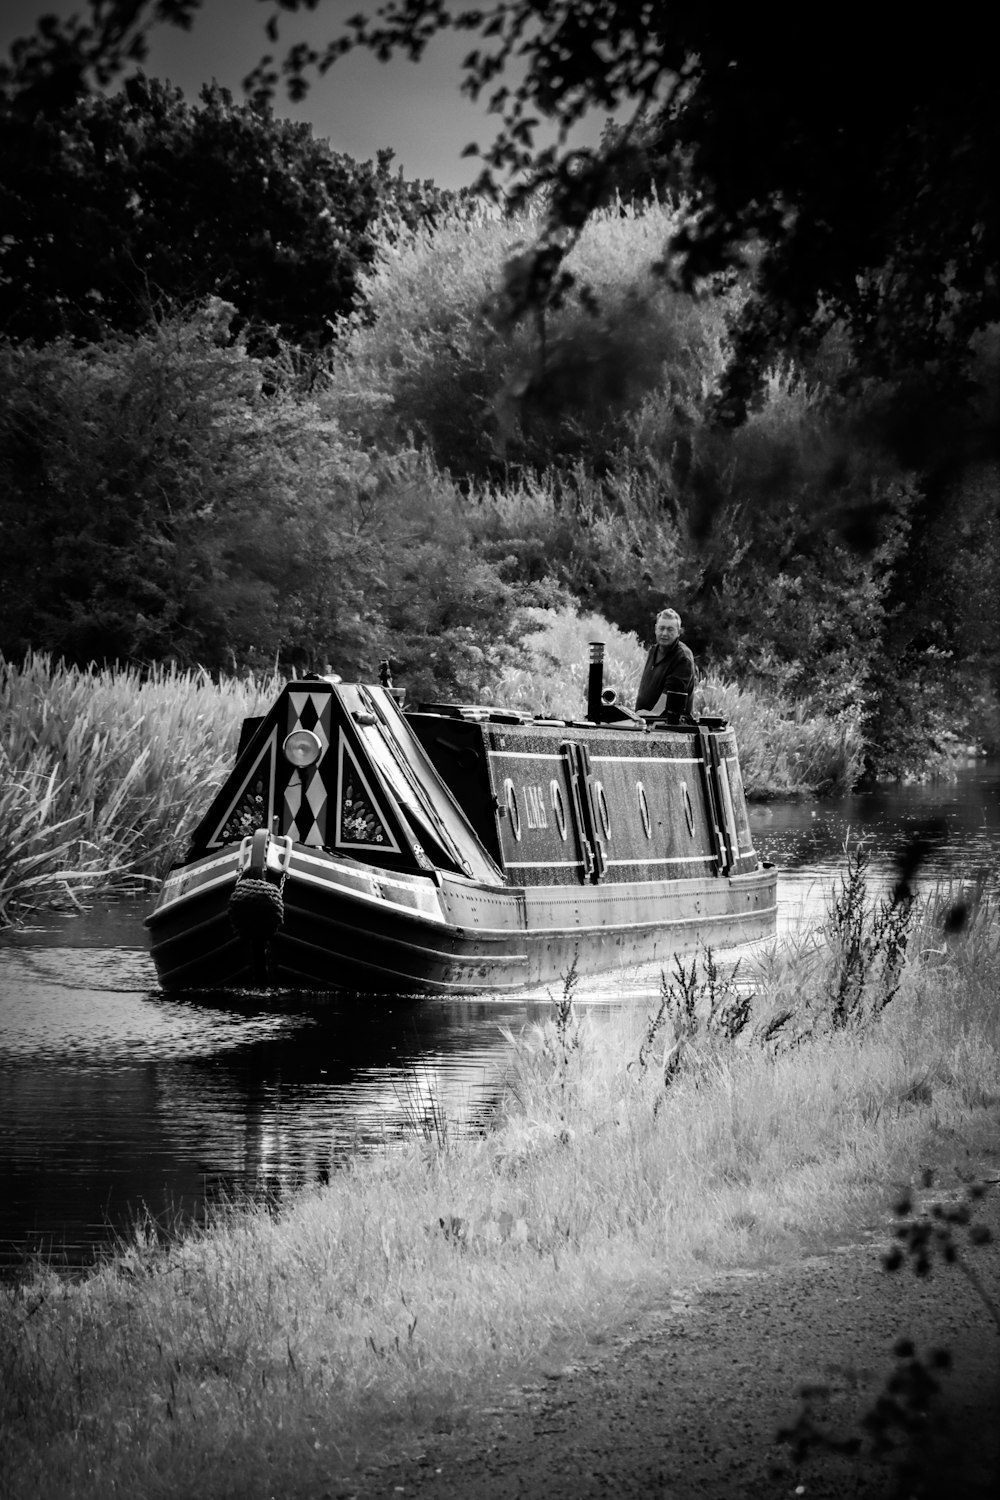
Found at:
<point>667,683</point>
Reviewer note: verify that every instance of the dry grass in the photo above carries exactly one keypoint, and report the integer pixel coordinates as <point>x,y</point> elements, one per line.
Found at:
<point>266,1354</point>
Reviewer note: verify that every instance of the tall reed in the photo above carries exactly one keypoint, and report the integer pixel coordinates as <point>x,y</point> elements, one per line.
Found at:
<point>103,773</point>
<point>788,747</point>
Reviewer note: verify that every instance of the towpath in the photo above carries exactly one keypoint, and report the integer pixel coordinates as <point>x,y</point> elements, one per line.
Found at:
<point>688,1400</point>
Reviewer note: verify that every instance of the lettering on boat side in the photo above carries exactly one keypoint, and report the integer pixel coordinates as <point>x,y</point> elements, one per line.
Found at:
<point>534,803</point>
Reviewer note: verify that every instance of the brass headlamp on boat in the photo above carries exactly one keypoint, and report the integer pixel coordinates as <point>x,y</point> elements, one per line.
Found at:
<point>302,747</point>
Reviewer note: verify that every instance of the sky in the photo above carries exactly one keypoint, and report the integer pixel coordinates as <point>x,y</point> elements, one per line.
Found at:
<point>361,106</point>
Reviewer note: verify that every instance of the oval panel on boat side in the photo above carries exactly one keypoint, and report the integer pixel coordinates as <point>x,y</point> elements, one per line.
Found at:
<point>510,803</point>
<point>558,807</point>
<point>640,792</point>
<point>688,808</point>
<point>602,808</point>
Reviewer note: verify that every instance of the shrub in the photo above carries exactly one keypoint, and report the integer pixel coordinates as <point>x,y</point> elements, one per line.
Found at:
<point>436,361</point>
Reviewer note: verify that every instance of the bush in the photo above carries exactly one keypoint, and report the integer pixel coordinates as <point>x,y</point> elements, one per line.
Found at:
<point>165,498</point>
<point>435,361</point>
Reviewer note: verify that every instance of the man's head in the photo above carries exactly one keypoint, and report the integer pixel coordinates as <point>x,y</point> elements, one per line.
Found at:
<point>668,627</point>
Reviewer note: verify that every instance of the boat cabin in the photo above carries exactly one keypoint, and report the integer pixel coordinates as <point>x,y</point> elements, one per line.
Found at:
<point>494,796</point>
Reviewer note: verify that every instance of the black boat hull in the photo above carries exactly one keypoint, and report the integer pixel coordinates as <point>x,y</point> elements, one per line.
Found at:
<point>347,926</point>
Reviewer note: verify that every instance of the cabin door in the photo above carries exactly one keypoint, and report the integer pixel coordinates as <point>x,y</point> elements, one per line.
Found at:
<point>593,857</point>
<point>719,802</point>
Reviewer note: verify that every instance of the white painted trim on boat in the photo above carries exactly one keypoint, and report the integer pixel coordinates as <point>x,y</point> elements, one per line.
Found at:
<point>689,921</point>
<point>524,754</point>
<point>374,898</point>
<point>575,864</point>
<point>605,760</point>
<point>672,859</point>
<point>544,864</point>
<point>331,876</point>
<point>645,760</point>
<point>186,892</point>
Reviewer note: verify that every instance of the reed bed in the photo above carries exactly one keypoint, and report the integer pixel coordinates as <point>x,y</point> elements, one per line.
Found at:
<point>787,747</point>
<point>272,1353</point>
<point>104,773</point>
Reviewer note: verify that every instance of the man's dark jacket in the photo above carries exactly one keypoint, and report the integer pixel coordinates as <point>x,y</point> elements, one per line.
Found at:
<point>668,669</point>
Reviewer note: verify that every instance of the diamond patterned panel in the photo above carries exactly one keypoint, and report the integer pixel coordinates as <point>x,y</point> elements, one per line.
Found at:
<point>306,798</point>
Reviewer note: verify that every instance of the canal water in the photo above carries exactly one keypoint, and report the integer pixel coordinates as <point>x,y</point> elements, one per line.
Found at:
<point>119,1102</point>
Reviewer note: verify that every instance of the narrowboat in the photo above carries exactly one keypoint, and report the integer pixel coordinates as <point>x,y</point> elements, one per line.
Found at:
<point>458,848</point>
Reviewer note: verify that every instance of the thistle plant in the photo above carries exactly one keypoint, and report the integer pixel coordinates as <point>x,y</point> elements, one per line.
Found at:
<point>693,1007</point>
<point>561,1046</point>
<point>868,939</point>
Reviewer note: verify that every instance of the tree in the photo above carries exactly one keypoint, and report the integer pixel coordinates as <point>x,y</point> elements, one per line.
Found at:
<point>426,359</point>
<point>841,183</point>
<point>166,497</point>
<point>154,501</point>
<point>861,159</point>
<point>119,205</point>
<point>66,59</point>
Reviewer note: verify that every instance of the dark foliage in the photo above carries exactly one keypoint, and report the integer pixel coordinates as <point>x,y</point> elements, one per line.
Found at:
<point>840,185</point>
<point>863,158</point>
<point>118,206</point>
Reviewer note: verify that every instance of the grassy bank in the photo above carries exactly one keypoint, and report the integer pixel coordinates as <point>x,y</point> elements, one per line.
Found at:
<point>267,1354</point>
<point>103,774</point>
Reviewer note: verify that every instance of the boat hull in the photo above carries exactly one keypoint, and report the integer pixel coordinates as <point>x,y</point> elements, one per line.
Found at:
<point>345,925</point>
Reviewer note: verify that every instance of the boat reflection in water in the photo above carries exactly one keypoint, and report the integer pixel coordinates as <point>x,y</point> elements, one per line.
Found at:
<point>460,848</point>
<point>285,1110</point>
<point>117,1102</point>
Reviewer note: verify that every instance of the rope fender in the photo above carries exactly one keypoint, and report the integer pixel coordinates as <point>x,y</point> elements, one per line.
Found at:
<point>256,908</point>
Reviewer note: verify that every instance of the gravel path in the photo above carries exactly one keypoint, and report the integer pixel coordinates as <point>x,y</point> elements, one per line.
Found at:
<point>689,1399</point>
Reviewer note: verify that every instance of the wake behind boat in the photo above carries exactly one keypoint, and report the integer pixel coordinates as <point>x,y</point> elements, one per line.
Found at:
<point>460,848</point>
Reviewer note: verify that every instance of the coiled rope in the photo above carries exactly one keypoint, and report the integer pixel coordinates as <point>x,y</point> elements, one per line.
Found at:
<point>256,908</point>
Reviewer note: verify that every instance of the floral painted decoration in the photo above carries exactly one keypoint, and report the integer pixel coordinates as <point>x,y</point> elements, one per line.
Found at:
<point>247,816</point>
<point>359,822</point>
